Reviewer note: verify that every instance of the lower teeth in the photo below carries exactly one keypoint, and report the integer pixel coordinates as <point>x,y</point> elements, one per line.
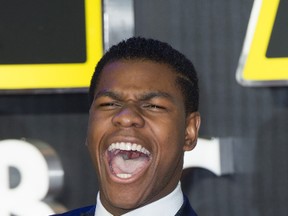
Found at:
<point>124,175</point>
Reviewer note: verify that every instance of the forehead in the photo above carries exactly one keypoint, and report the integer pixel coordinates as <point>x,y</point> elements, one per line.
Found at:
<point>138,75</point>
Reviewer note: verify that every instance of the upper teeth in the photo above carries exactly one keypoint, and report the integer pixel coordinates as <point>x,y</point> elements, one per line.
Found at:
<point>128,147</point>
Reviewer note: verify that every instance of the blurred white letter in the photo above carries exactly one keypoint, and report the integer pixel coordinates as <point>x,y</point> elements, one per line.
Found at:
<point>40,175</point>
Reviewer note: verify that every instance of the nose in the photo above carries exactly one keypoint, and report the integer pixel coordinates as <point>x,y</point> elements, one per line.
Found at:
<point>128,116</point>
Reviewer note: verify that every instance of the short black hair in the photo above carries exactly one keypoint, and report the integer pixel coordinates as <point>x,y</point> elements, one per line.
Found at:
<point>149,49</point>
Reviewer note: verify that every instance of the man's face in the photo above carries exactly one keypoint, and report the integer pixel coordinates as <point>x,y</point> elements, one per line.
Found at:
<point>138,133</point>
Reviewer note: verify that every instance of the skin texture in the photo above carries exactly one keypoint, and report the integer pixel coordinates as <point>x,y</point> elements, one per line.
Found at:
<point>138,101</point>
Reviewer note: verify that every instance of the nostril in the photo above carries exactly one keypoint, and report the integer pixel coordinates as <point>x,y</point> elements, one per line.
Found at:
<point>128,117</point>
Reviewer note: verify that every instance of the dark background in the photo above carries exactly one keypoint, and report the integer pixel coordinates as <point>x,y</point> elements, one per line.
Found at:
<point>210,33</point>
<point>25,26</point>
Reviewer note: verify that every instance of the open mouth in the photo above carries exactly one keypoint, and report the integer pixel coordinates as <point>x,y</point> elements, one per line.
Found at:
<point>127,159</point>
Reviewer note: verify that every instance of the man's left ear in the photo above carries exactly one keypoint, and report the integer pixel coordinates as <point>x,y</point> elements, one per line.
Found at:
<point>193,121</point>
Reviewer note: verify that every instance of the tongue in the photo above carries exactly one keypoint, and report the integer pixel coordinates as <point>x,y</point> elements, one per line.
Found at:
<point>128,162</point>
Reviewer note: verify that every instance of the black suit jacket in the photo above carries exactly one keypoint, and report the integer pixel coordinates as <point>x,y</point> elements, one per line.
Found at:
<point>185,210</point>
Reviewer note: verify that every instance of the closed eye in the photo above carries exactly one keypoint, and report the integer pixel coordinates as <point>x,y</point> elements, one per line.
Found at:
<point>153,107</point>
<point>109,105</point>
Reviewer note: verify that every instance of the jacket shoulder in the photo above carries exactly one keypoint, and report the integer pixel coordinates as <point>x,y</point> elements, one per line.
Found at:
<point>84,211</point>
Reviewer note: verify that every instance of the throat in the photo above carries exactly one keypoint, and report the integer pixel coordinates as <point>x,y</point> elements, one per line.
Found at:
<point>126,164</point>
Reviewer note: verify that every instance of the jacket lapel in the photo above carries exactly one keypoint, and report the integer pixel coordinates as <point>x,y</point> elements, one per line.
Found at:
<point>186,209</point>
<point>90,212</point>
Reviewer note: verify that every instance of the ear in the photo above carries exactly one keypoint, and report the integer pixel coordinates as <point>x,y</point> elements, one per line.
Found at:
<point>193,121</point>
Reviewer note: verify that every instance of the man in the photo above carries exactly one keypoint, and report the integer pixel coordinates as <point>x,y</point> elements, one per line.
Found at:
<point>143,117</point>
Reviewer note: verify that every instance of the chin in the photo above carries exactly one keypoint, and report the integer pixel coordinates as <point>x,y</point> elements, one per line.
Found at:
<point>126,201</point>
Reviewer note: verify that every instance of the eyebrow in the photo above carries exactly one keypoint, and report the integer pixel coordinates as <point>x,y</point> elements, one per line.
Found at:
<point>106,93</point>
<point>142,97</point>
<point>155,94</point>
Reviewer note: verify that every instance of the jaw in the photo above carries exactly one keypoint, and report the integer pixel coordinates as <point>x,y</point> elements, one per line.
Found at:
<point>117,197</point>
<point>122,194</point>
<point>126,176</point>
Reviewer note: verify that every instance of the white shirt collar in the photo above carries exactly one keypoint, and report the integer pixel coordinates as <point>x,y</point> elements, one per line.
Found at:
<point>168,205</point>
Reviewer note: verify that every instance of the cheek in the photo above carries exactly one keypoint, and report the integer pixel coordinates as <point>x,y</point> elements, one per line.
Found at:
<point>171,145</point>
<point>96,126</point>
<point>171,132</point>
<point>171,161</point>
<point>95,133</point>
